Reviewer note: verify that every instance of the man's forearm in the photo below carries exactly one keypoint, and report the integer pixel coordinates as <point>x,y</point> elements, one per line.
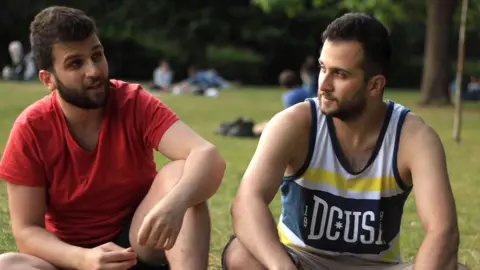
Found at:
<point>202,175</point>
<point>438,251</point>
<point>38,242</point>
<point>255,227</point>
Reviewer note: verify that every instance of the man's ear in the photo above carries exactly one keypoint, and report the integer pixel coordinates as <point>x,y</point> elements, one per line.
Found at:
<point>47,78</point>
<point>376,84</point>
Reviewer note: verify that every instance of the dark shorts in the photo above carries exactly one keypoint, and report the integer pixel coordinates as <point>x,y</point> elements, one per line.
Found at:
<point>122,240</point>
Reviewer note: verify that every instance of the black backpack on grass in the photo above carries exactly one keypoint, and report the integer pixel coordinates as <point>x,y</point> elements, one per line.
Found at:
<point>241,127</point>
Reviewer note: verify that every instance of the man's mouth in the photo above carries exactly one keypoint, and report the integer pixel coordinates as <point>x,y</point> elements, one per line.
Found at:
<point>328,98</point>
<point>95,86</point>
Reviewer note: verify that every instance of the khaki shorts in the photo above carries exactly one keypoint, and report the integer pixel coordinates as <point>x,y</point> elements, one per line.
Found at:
<point>307,261</point>
<point>304,260</point>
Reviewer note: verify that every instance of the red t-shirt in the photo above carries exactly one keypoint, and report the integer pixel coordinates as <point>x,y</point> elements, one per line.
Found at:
<point>90,195</point>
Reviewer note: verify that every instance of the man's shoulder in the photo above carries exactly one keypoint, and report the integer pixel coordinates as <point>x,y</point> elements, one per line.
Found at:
<point>131,98</point>
<point>128,90</point>
<point>125,87</point>
<point>416,133</point>
<point>295,117</point>
<point>128,93</point>
<point>296,91</point>
<point>36,123</point>
<point>415,124</point>
<point>39,112</point>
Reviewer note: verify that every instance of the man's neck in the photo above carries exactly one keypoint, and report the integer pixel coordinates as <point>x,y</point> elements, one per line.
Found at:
<point>361,130</point>
<point>78,117</point>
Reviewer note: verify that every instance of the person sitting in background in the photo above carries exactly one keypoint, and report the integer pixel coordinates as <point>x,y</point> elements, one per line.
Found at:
<point>162,76</point>
<point>308,73</point>
<point>205,79</point>
<point>470,88</point>
<point>295,92</point>
<point>201,82</point>
<point>473,89</point>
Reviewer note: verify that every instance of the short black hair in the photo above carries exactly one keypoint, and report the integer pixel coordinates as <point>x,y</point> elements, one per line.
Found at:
<point>369,32</point>
<point>57,24</point>
<point>288,79</point>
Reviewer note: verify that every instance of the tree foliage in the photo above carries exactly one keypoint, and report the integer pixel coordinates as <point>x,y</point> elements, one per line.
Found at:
<point>245,41</point>
<point>438,17</point>
<point>387,11</point>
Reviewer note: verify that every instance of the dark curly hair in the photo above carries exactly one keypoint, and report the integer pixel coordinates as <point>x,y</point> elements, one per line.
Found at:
<point>369,32</point>
<point>57,24</point>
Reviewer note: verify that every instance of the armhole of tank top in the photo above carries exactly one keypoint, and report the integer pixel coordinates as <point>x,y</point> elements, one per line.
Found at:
<point>396,173</point>
<point>311,144</point>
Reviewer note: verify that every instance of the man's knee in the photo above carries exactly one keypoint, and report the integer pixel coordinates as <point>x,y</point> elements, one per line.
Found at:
<point>14,261</point>
<point>11,259</point>
<point>410,267</point>
<point>236,256</point>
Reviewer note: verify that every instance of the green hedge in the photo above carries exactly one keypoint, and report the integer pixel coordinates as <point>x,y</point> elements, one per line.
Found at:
<point>237,64</point>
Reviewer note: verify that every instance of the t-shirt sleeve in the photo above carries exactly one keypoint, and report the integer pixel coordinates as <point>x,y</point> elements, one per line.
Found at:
<point>21,163</point>
<point>153,118</point>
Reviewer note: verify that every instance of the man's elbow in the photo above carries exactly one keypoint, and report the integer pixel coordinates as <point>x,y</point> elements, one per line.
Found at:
<point>447,236</point>
<point>219,161</point>
<point>22,235</point>
<point>212,153</point>
<point>236,208</point>
<point>236,211</point>
<point>242,204</point>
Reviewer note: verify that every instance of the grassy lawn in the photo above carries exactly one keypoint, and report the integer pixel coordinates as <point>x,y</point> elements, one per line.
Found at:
<point>205,114</point>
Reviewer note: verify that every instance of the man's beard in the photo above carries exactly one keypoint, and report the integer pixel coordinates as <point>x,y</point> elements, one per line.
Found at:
<point>79,97</point>
<point>351,110</point>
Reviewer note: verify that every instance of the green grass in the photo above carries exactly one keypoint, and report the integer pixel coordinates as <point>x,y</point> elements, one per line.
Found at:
<point>205,114</point>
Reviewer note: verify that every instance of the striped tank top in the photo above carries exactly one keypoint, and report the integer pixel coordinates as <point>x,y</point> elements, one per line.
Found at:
<point>328,209</point>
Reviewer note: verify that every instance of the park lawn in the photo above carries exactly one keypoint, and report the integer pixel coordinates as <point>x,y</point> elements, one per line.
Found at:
<point>204,114</point>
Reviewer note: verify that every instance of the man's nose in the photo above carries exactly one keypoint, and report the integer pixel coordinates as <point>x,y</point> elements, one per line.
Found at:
<point>325,83</point>
<point>92,69</point>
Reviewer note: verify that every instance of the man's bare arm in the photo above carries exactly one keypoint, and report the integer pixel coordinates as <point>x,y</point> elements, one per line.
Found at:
<point>253,222</point>
<point>434,197</point>
<point>204,166</point>
<point>27,209</point>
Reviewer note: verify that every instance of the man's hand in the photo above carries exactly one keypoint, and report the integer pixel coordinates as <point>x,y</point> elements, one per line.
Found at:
<point>108,257</point>
<point>162,224</point>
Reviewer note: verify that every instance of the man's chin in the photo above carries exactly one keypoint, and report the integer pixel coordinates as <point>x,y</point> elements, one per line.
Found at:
<point>95,103</point>
<point>328,112</point>
<point>100,97</point>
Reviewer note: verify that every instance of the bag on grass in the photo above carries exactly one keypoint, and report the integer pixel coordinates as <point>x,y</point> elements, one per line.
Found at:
<point>241,127</point>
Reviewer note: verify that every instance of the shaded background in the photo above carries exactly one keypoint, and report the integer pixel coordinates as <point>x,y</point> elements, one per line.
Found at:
<point>252,41</point>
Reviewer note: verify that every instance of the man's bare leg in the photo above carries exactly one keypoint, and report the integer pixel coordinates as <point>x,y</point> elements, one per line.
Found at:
<point>20,261</point>
<point>409,266</point>
<point>192,245</point>
<point>237,257</point>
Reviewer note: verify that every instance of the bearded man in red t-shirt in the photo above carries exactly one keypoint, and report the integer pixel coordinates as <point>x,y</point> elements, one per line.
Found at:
<point>82,183</point>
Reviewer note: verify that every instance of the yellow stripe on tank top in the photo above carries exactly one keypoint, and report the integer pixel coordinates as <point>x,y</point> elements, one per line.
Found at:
<point>338,181</point>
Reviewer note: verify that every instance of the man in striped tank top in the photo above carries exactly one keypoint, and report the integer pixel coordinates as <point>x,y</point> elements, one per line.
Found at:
<point>345,163</point>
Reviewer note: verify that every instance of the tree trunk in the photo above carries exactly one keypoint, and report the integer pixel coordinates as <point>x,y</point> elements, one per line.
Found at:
<point>437,59</point>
